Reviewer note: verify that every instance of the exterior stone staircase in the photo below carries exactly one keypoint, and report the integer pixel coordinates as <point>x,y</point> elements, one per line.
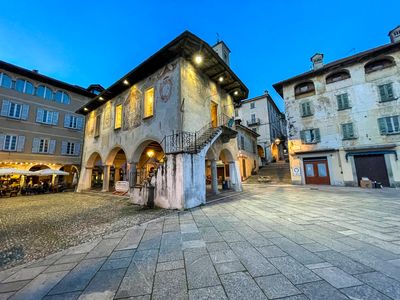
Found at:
<point>274,173</point>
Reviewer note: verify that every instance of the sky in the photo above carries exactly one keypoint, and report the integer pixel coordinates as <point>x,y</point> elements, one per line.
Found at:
<point>85,42</point>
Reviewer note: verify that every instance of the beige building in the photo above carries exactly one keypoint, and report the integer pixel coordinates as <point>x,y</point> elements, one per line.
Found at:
<point>161,128</point>
<point>344,118</point>
<point>38,124</point>
<point>249,159</point>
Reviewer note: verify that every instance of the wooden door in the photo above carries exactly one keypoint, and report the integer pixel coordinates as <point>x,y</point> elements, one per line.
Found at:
<point>373,167</point>
<point>316,171</point>
<point>214,114</point>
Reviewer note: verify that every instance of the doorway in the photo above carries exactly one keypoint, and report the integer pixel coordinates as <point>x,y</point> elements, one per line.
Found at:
<point>316,171</point>
<point>373,167</point>
<point>214,114</point>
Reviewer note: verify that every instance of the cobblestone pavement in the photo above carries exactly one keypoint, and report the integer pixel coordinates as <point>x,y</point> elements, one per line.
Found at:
<point>32,227</point>
<point>266,243</point>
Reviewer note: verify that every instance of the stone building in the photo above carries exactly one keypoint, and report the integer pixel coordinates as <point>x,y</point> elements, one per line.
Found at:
<point>262,115</point>
<point>38,124</point>
<point>343,118</point>
<point>163,126</point>
<point>249,160</point>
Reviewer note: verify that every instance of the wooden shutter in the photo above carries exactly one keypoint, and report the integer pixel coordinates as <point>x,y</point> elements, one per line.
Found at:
<point>67,119</point>
<point>52,146</point>
<point>25,112</point>
<point>35,145</point>
<point>55,118</point>
<point>303,136</point>
<point>5,107</point>
<point>79,123</point>
<point>389,91</point>
<point>39,115</point>
<point>317,135</point>
<point>64,145</point>
<point>2,137</point>
<point>20,143</point>
<point>77,149</point>
<point>382,125</point>
<point>345,101</point>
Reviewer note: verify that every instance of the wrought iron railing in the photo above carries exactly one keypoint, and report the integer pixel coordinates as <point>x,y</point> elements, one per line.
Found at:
<point>192,142</point>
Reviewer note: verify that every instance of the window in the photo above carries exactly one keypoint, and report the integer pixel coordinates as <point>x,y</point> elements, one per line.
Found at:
<point>14,110</point>
<point>343,101</point>
<point>306,109</point>
<point>252,105</point>
<point>24,86</point>
<point>348,131</point>
<point>70,148</point>
<point>304,88</point>
<point>118,117</point>
<point>73,122</point>
<point>62,97</point>
<point>386,92</point>
<point>337,76</point>
<point>236,113</point>
<point>379,64</point>
<point>241,142</point>
<point>46,117</point>
<point>310,136</point>
<point>44,92</point>
<point>97,128</point>
<point>253,118</point>
<point>5,81</point>
<point>10,143</point>
<point>254,147</point>
<point>389,125</point>
<point>148,103</point>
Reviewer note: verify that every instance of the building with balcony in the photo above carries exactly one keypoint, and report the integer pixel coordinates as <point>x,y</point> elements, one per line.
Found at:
<point>343,118</point>
<point>38,124</point>
<point>261,115</point>
<point>164,128</point>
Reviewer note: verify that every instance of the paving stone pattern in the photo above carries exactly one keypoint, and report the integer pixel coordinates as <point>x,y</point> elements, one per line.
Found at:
<point>290,243</point>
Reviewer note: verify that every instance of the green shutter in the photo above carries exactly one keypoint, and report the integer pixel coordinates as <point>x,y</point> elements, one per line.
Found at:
<point>317,135</point>
<point>303,136</point>
<point>389,91</point>
<point>382,92</point>
<point>396,122</point>
<point>382,126</point>
<point>339,102</point>
<point>345,98</point>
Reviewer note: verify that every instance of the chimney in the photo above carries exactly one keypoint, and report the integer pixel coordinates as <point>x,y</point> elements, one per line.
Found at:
<point>317,61</point>
<point>223,51</point>
<point>395,35</point>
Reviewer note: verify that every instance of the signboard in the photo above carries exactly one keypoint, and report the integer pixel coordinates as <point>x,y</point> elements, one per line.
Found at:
<point>296,171</point>
<point>122,186</point>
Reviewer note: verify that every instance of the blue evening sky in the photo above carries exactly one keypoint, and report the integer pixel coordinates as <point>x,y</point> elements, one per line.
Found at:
<point>84,42</point>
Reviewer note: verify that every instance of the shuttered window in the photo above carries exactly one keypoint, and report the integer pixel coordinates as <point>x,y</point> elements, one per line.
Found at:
<point>70,148</point>
<point>343,101</point>
<point>306,109</point>
<point>148,103</point>
<point>386,92</point>
<point>310,136</point>
<point>73,122</point>
<point>43,145</point>
<point>11,142</point>
<point>348,131</point>
<point>14,110</point>
<point>389,125</point>
<point>47,117</point>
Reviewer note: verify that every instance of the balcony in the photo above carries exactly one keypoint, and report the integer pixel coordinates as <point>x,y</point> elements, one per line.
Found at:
<point>252,122</point>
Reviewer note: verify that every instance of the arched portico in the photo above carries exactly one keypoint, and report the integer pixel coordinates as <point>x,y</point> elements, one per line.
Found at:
<point>92,173</point>
<point>115,168</point>
<point>71,180</point>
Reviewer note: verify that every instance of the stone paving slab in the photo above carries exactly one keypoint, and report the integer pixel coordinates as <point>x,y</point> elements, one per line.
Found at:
<point>257,245</point>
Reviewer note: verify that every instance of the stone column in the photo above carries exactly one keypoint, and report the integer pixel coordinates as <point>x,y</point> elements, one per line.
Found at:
<point>132,174</point>
<point>106,178</point>
<point>214,177</point>
<point>234,176</point>
<point>85,179</point>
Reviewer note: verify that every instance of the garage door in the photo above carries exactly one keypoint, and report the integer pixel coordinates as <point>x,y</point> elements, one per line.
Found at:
<point>373,167</point>
<point>316,171</point>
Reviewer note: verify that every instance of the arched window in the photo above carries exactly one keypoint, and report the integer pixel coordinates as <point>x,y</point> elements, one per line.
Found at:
<point>62,97</point>
<point>379,64</point>
<point>44,92</point>
<point>24,86</point>
<point>304,88</point>
<point>338,76</point>
<point>5,80</point>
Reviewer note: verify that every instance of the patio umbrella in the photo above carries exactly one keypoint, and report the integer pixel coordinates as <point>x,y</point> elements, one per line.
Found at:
<point>48,172</point>
<point>13,171</point>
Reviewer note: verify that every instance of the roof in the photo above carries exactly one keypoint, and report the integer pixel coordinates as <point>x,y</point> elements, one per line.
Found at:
<point>44,79</point>
<point>267,96</point>
<point>223,43</point>
<point>238,125</point>
<point>338,64</point>
<point>185,45</point>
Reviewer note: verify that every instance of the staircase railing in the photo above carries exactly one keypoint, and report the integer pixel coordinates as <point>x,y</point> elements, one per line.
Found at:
<point>192,142</point>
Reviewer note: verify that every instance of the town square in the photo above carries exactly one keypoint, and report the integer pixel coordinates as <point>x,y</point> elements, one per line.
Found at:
<point>167,151</point>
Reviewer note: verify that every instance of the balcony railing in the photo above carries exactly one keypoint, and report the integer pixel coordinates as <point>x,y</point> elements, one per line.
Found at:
<point>255,121</point>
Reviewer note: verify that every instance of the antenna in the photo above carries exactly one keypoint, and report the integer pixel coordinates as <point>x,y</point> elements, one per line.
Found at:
<point>218,39</point>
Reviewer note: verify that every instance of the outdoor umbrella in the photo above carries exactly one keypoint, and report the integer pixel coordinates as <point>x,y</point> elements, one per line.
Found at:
<point>13,171</point>
<point>48,172</point>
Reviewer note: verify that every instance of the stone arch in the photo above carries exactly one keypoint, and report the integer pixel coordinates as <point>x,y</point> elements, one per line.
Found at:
<point>142,145</point>
<point>92,159</point>
<point>260,151</point>
<point>275,151</point>
<point>226,155</point>
<point>113,153</point>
